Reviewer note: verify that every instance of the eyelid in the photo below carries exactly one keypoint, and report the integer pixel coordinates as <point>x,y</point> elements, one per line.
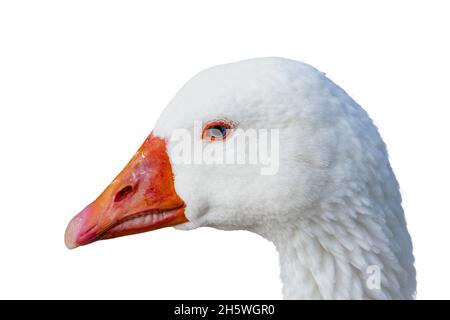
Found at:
<point>228,125</point>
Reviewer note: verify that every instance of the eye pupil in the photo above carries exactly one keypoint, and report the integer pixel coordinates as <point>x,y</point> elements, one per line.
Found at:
<point>217,131</point>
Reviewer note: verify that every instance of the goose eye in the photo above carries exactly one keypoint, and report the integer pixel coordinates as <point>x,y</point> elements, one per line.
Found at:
<point>216,131</point>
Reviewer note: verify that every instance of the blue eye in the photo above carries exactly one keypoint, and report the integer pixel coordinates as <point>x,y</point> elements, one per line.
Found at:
<point>216,131</point>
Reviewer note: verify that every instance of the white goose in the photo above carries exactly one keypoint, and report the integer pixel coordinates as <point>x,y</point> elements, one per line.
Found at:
<point>332,209</point>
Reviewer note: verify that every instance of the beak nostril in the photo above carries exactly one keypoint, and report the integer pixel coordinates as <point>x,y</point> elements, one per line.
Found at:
<point>123,193</point>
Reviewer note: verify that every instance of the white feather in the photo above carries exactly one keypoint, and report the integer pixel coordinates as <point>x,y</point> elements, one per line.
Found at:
<point>334,207</point>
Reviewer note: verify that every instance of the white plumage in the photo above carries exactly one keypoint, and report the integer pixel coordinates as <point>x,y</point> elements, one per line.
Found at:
<point>333,210</point>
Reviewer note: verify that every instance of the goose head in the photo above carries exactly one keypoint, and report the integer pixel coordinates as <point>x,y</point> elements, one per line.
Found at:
<point>272,146</point>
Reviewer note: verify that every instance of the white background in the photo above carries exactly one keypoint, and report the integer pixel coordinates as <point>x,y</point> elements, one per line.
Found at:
<point>83,82</point>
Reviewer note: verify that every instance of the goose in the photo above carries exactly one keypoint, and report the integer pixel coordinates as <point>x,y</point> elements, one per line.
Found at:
<point>329,200</point>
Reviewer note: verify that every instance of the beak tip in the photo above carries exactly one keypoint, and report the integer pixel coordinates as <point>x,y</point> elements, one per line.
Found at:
<point>69,237</point>
<point>75,227</point>
<point>70,245</point>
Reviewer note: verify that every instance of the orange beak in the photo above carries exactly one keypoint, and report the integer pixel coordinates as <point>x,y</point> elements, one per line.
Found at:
<point>141,198</point>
